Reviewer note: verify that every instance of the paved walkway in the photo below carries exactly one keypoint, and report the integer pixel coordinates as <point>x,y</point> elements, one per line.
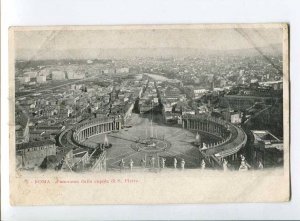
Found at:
<point>181,140</point>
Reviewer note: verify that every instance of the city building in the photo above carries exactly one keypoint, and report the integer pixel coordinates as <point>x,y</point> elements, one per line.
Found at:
<point>240,102</point>
<point>122,70</point>
<point>32,154</point>
<point>22,127</point>
<point>172,93</point>
<point>267,149</point>
<point>30,74</point>
<point>276,85</point>
<point>58,75</point>
<point>200,92</point>
<point>233,116</point>
<point>75,75</point>
<point>24,80</point>
<point>41,79</point>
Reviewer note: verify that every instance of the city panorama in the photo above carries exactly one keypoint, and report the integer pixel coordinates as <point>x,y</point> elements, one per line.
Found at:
<point>212,101</point>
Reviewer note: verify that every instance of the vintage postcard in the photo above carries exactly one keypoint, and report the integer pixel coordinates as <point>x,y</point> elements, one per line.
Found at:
<point>149,114</point>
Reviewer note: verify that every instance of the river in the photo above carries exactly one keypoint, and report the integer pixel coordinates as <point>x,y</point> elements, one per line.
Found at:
<point>155,77</point>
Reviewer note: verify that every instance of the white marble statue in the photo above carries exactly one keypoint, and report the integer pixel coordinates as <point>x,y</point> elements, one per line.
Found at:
<point>204,146</point>
<point>153,162</point>
<point>260,165</point>
<point>225,167</point>
<point>163,163</point>
<point>122,163</point>
<point>143,163</point>
<point>243,166</point>
<point>131,164</point>
<point>203,164</point>
<point>182,164</point>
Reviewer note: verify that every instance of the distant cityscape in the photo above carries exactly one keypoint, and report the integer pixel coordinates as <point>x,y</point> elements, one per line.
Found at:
<point>219,111</point>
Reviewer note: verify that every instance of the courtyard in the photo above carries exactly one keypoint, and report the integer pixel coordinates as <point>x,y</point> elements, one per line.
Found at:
<point>167,142</point>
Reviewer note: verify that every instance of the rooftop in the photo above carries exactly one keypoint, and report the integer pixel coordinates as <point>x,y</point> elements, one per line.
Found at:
<point>264,135</point>
<point>34,144</point>
<point>269,140</point>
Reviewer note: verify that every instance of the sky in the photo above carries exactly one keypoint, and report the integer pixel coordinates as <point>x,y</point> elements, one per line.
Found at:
<point>34,44</point>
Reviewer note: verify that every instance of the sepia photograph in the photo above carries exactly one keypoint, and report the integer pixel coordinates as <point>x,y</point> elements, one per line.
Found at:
<point>146,111</point>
